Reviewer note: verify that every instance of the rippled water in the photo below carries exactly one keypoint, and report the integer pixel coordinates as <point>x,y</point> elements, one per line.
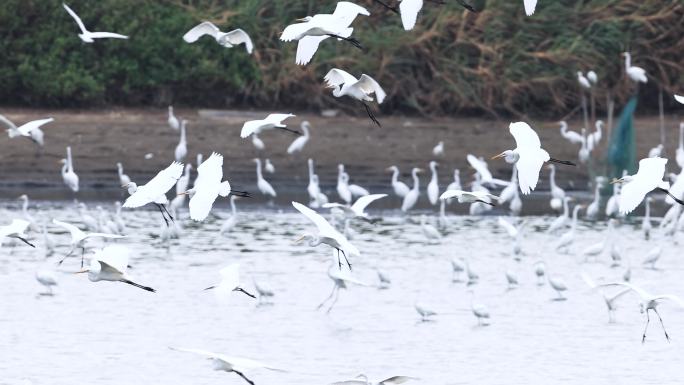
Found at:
<point>112,333</point>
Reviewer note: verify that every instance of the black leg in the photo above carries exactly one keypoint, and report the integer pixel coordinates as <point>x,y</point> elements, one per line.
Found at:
<point>243,194</point>
<point>243,377</point>
<point>290,130</point>
<point>339,261</point>
<point>662,324</point>
<point>66,256</point>
<point>349,40</point>
<point>671,196</point>
<point>167,212</point>
<point>138,285</point>
<point>26,242</point>
<point>565,162</point>
<point>393,9</point>
<point>82,255</point>
<point>346,260</point>
<point>162,213</point>
<point>371,116</point>
<point>648,319</point>
<point>241,290</point>
<point>487,203</point>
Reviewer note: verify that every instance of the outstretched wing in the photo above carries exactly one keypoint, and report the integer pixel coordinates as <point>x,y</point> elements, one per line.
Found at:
<point>294,31</point>
<point>251,127</point>
<point>481,167</point>
<point>336,77</point>
<point>346,12</point>
<point>360,205</point>
<point>409,12</point>
<point>671,298</point>
<point>679,98</point>
<point>529,165</point>
<point>30,126</point>
<point>277,119</point>
<point>201,29</point>
<point>396,379</point>
<point>107,35</point>
<point>8,122</point>
<point>650,174</point>
<point>210,173</point>
<point>530,5</point>
<point>75,17</point>
<point>115,256</point>
<point>76,233</point>
<point>196,351</point>
<point>448,194</point>
<point>239,36</point>
<point>320,222</point>
<point>524,135</point>
<point>157,186</point>
<point>369,86</point>
<point>307,47</point>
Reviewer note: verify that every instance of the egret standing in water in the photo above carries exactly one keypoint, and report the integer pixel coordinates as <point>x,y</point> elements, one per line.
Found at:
<point>173,121</point>
<point>68,175</point>
<point>155,190</point>
<point>433,186</point>
<point>635,187</point>
<point>412,196</point>
<point>182,147</point>
<point>110,264</point>
<point>528,156</point>
<point>298,144</point>
<point>400,188</point>
<point>262,184</point>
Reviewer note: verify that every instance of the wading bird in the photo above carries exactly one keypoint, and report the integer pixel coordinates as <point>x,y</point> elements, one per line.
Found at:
<point>637,74</point>
<point>225,39</point>
<point>230,281</point>
<point>326,235</point>
<point>400,188</point>
<point>87,36</point>
<point>360,89</point>
<point>411,197</point>
<point>173,121</point>
<point>530,6</point>
<point>46,278</point>
<point>298,144</point>
<point>312,30</point>
<point>262,184</point>
<point>155,190</point>
<point>572,136</point>
<point>433,186</point>
<point>649,177</point>
<point>110,264</point>
<point>68,175</point>
<point>341,277</point>
<point>528,156</point>
<point>608,299</point>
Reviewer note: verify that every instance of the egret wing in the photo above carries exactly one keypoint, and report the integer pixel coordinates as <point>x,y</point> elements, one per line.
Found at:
<point>294,31</point>
<point>524,135</point>
<point>115,256</point>
<point>7,122</point>
<point>323,226</point>
<point>242,364</point>
<point>277,119</point>
<point>529,165</point>
<point>671,298</point>
<point>336,77</point>
<point>206,187</point>
<point>480,166</point>
<point>230,276</point>
<point>196,351</point>
<point>26,129</point>
<point>76,233</point>
<point>360,205</point>
<point>369,86</point>
<point>75,17</point>
<point>107,35</point>
<point>201,29</point>
<point>641,292</point>
<point>409,12</point>
<point>396,379</point>
<point>307,47</point>
<point>345,12</point>
<point>157,186</point>
<point>679,98</point>
<point>451,194</point>
<point>530,5</point>
<point>239,36</point>
<point>251,127</point>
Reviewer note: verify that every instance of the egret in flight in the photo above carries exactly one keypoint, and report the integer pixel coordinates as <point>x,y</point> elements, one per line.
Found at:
<point>530,6</point>
<point>326,235</point>
<point>230,281</point>
<point>343,83</point>
<point>528,156</point>
<point>225,39</point>
<point>679,98</point>
<point>341,277</point>
<point>30,130</point>
<point>16,230</point>
<point>79,237</point>
<point>362,379</point>
<point>648,178</point>
<point>272,121</point>
<point>608,299</point>
<point>469,196</point>
<point>648,302</point>
<point>314,29</point>
<point>155,190</point>
<point>110,264</point>
<point>229,364</point>
<point>357,210</point>
<point>87,36</point>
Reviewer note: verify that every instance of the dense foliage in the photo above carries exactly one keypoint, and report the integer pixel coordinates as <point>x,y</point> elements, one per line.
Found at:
<point>497,61</point>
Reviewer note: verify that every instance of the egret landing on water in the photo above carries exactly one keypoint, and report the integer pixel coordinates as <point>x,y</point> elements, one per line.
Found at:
<point>46,278</point>
<point>608,299</point>
<point>341,277</point>
<point>78,238</point>
<point>110,264</point>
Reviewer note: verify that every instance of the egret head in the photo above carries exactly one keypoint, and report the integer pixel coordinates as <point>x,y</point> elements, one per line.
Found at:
<point>391,168</point>
<point>509,156</point>
<point>23,197</point>
<point>313,240</point>
<point>305,19</point>
<point>131,186</point>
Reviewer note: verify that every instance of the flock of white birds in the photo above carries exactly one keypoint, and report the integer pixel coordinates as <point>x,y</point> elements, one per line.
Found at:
<point>527,159</point>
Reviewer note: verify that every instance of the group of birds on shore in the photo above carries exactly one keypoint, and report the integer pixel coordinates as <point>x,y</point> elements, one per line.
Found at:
<point>110,263</point>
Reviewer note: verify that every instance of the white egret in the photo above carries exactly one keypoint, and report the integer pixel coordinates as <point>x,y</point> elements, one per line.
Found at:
<point>225,39</point>
<point>680,148</point>
<point>184,180</point>
<point>182,147</point>
<point>343,185</point>
<point>230,222</point>
<point>262,184</point>
<point>572,136</point>
<point>123,178</point>
<point>470,196</point>
<point>438,150</point>
<point>637,74</point>
<point>79,238</point>
<point>411,197</point>
<point>456,184</point>
<point>679,98</point>
<point>155,190</point>
<point>88,220</point>
<point>540,271</point>
<point>481,167</point>
<point>457,267</point>
<point>480,311</point>
<point>357,210</point>
<point>360,89</point>
<point>268,166</point>
<point>646,225</point>
<point>429,231</point>
<point>594,138</point>
<point>326,235</point>
<point>568,238</point>
<point>362,379</point>
<point>593,78</point>
<point>400,188</point>
<point>230,281</point>
<point>27,129</point>
<point>15,230</point>
<point>612,205</point>
<point>653,256</point>
<point>635,187</point>
<point>24,210</point>
<point>48,279</point>
<point>583,81</point>
<point>433,186</point>
<point>254,127</point>
<point>656,151</point>
<point>516,204</point>
<point>473,277</point>
<point>257,142</point>
<point>313,188</point>
<point>648,302</point>
<point>354,189</point>
<point>510,191</point>
<point>424,312</point>
<point>314,29</point>
<point>593,208</point>
<point>87,36</point>
<point>608,299</point>
<point>173,121</point>
<point>530,6</point>
<point>557,193</point>
<point>384,279</point>
<point>341,277</point>
<point>584,153</point>
<point>562,220</point>
<point>230,364</point>
<point>208,187</point>
<point>528,156</point>
<point>68,175</point>
<point>48,242</point>
<point>298,144</point>
<point>558,284</point>
<point>110,264</point>
<point>512,279</point>
<point>508,226</point>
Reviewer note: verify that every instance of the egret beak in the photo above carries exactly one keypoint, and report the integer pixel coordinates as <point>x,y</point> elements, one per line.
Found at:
<point>615,181</point>
<point>300,239</point>
<point>125,185</point>
<point>82,271</point>
<point>183,193</point>
<point>498,156</point>
<point>301,19</point>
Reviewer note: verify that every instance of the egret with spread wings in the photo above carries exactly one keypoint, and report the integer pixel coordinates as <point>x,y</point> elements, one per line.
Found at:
<point>270,122</point>
<point>155,190</point>
<point>648,178</point>
<point>110,264</point>
<point>230,281</point>
<point>87,36</point>
<point>225,39</point>
<point>16,230</point>
<point>343,83</point>
<point>357,210</point>
<point>79,237</point>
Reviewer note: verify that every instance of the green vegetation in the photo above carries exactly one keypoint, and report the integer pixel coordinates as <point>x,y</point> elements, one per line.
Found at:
<point>496,61</point>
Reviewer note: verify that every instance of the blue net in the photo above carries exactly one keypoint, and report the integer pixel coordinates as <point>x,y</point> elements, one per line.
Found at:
<point>622,147</point>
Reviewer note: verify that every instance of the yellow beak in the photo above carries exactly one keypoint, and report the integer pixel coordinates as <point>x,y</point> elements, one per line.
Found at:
<point>81,271</point>
<point>498,156</point>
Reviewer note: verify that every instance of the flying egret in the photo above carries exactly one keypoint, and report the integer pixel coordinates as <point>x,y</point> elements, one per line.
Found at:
<point>438,150</point>
<point>530,6</point>
<point>208,187</point>
<point>182,147</point>
<point>262,184</point>
<point>360,89</point>
<point>225,39</point>
<point>312,30</point>
<point>572,136</point>
<point>583,81</point>
<point>110,264</point>
<point>557,193</point>
<point>15,230</point>
<point>470,196</point>
<point>357,210</point>
<point>30,129</point>
<point>155,190</point>
<point>230,364</point>
<point>87,36</point>
<point>679,98</point>
<point>424,312</point>
<point>648,302</point>
<point>48,279</point>
<point>433,186</point>
<point>608,299</point>
<point>68,175</point>
<point>362,379</point>
<point>326,235</point>
<point>230,281</point>
<point>411,197</point>
<point>635,187</point>
<point>173,121</point>
<point>637,74</point>
<point>79,237</point>
<point>298,144</point>
<point>400,188</point>
<point>528,156</point>
<point>270,122</point>
<point>341,277</point>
